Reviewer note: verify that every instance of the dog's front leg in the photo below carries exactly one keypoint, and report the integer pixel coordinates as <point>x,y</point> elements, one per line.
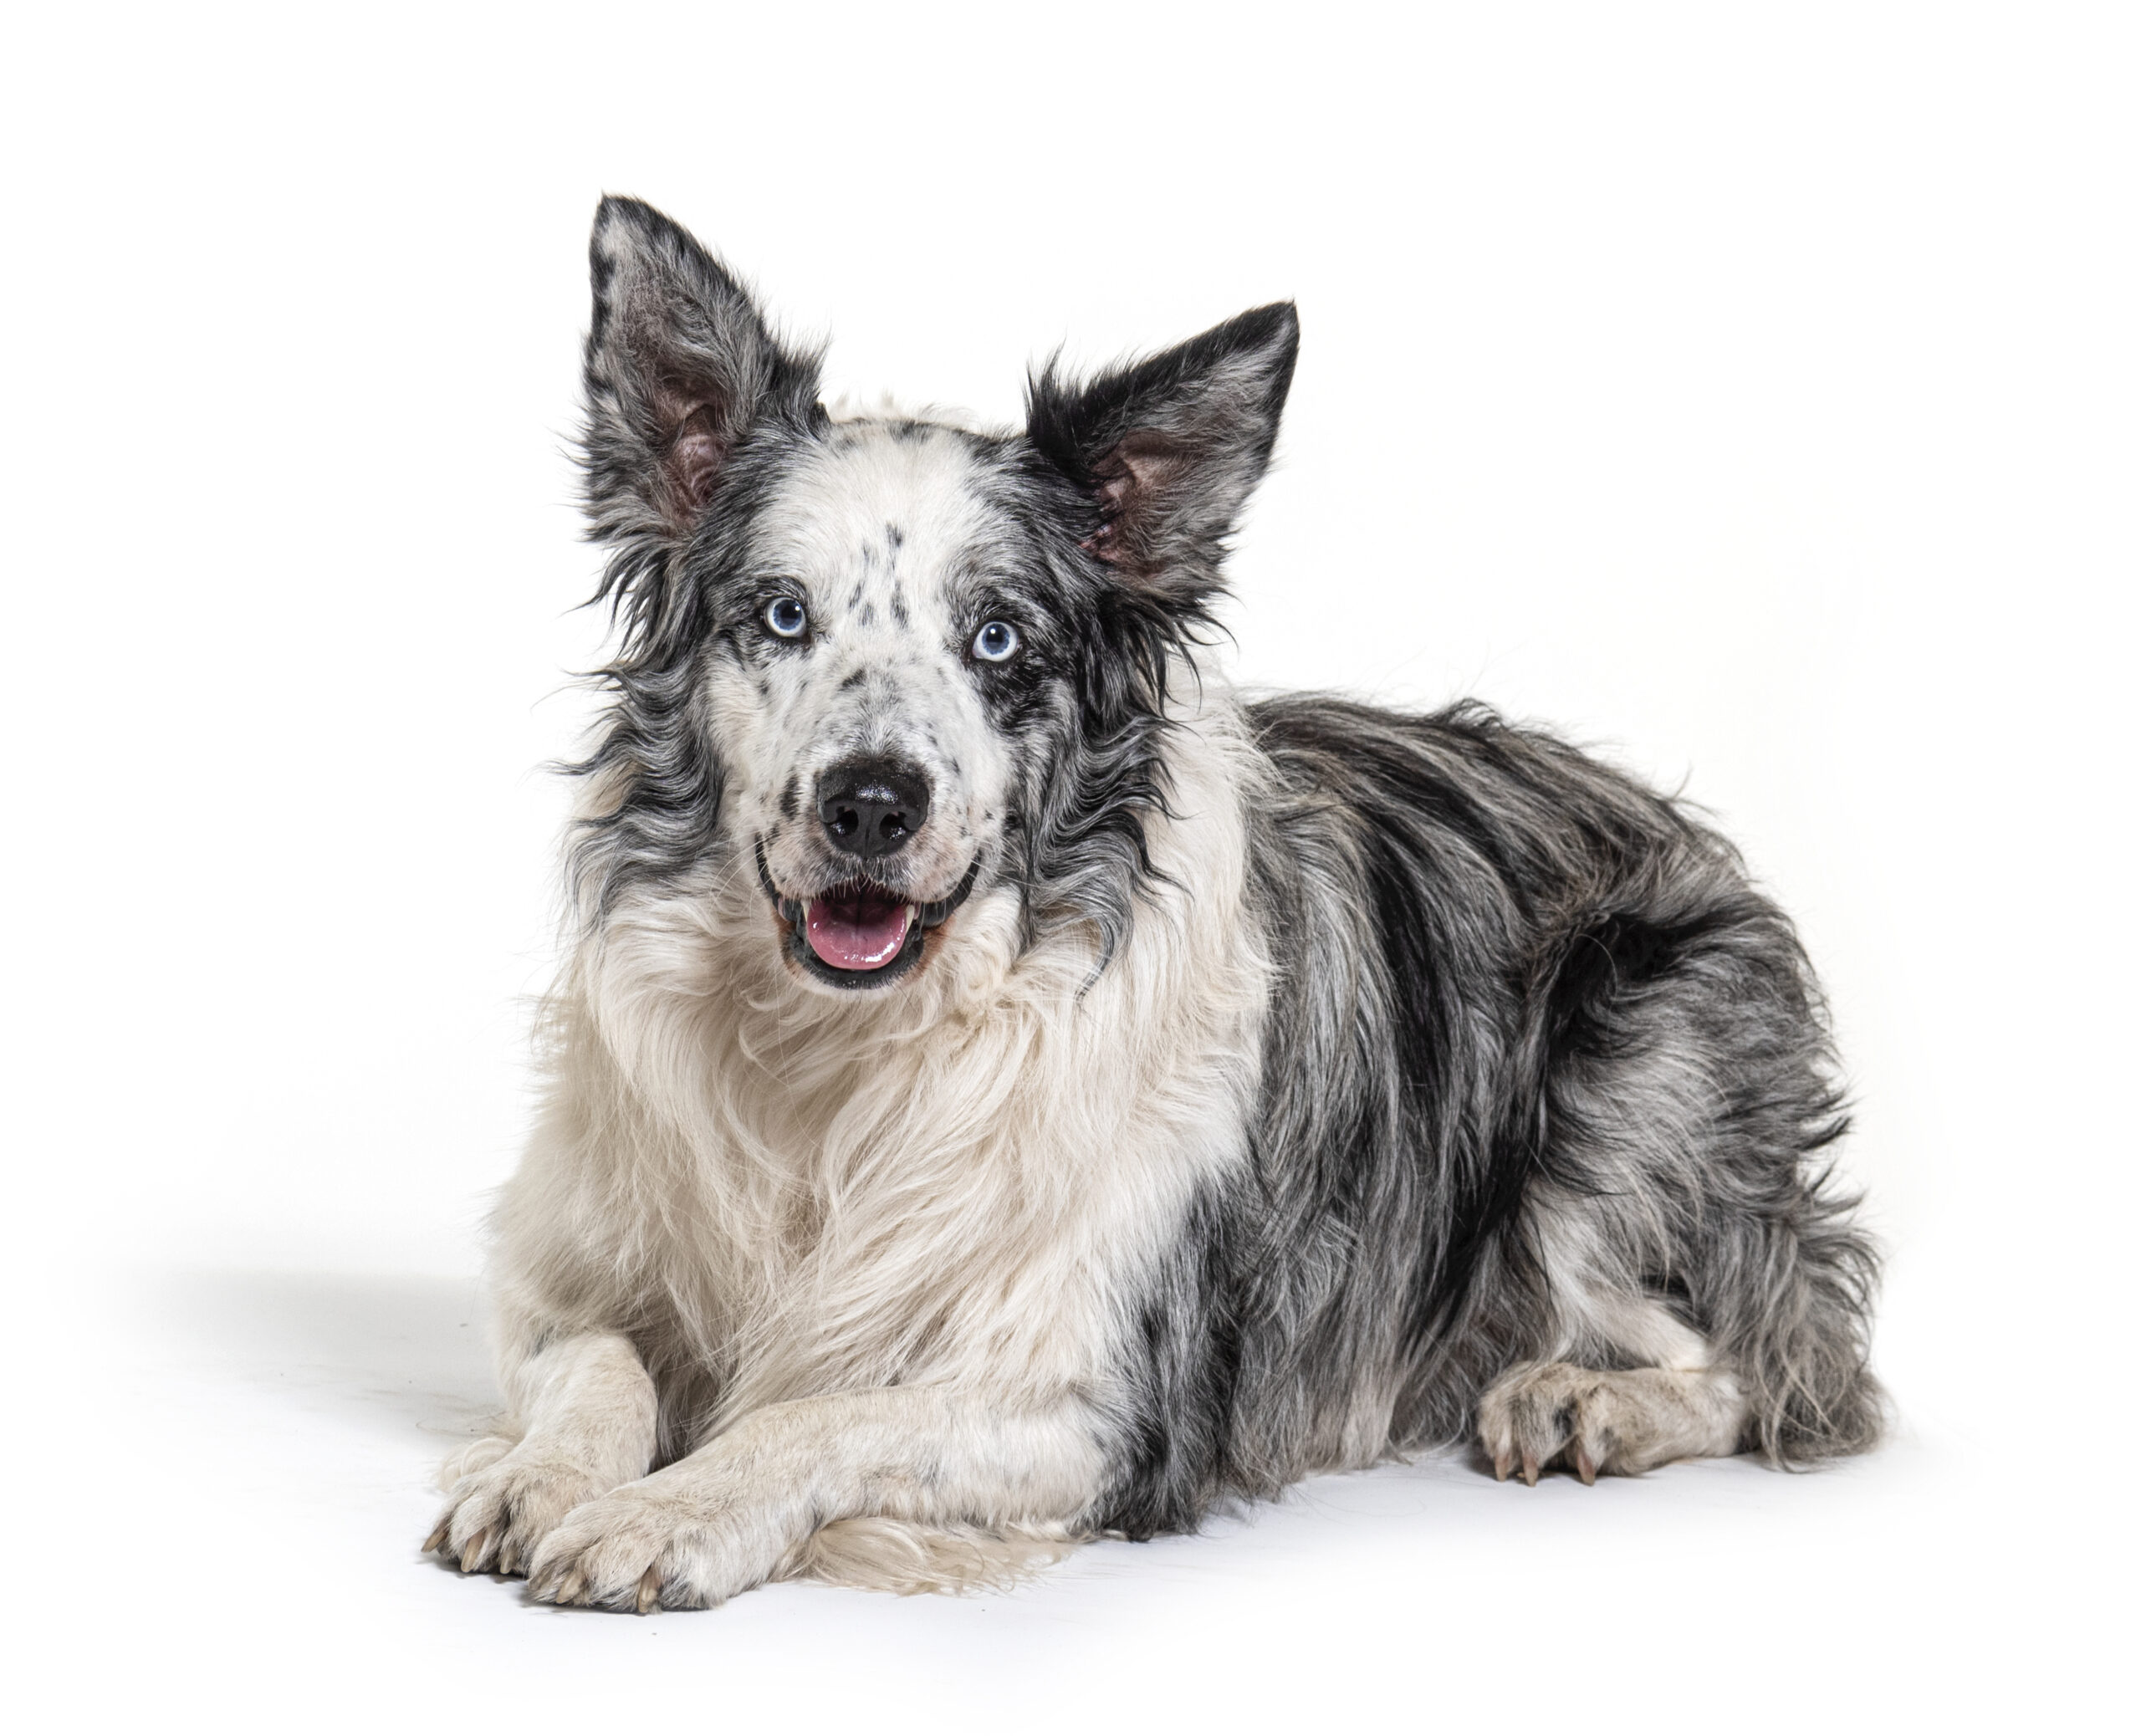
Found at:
<point>589,1411</point>
<point>725,1518</point>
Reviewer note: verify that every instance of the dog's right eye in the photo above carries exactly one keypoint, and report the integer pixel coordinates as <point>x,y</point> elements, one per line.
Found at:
<point>786,618</point>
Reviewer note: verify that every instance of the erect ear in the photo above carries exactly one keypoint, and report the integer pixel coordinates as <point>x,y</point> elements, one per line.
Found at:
<point>681,368</point>
<point>1169,447</point>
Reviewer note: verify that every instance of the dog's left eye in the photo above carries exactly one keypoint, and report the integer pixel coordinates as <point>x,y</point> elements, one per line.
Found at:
<point>995,642</point>
<point>786,618</point>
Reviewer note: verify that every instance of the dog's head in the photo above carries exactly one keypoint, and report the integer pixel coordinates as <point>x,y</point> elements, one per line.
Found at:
<point>878,663</point>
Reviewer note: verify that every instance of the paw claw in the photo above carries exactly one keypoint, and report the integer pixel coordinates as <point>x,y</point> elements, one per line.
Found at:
<point>507,1507</point>
<point>437,1541</point>
<point>1530,1468</point>
<point>1501,1465</point>
<point>1586,1467</point>
<point>649,1591</point>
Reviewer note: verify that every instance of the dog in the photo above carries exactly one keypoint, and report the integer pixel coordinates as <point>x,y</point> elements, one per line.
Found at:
<point>1006,1088</point>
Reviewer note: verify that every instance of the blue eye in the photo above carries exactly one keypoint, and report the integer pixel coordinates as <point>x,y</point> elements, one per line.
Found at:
<point>786,618</point>
<point>995,642</point>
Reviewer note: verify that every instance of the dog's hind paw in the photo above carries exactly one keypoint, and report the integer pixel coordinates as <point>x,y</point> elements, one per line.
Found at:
<point>1540,1414</point>
<point>496,1513</point>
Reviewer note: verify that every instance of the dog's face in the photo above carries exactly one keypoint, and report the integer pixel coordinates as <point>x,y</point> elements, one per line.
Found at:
<point>878,663</point>
<point>881,683</point>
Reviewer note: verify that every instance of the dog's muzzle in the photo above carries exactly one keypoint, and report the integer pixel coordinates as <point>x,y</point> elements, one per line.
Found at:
<point>859,934</point>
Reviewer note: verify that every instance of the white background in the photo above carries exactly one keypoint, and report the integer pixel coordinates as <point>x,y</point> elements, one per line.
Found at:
<point>1754,396</point>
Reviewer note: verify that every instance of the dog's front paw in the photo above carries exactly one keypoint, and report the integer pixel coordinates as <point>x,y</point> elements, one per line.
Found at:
<point>499,1511</point>
<point>653,1545</point>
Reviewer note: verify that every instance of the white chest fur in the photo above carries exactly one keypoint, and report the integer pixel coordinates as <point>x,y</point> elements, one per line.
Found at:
<point>965,1184</point>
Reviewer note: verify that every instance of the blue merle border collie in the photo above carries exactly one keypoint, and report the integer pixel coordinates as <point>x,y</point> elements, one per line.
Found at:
<point>1006,1090</point>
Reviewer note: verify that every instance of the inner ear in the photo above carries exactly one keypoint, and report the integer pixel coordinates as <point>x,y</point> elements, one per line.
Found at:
<point>694,457</point>
<point>1127,483</point>
<point>694,418</point>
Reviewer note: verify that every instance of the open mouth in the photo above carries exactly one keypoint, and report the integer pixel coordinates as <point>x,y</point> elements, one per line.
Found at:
<point>859,934</point>
<point>856,927</point>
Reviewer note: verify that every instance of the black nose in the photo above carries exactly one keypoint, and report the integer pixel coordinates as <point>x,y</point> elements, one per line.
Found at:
<point>872,807</point>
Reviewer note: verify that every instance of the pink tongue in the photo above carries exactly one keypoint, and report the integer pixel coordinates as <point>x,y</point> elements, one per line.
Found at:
<point>855,934</point>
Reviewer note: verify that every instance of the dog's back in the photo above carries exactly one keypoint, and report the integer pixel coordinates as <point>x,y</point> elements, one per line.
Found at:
<point>1544,1086</point>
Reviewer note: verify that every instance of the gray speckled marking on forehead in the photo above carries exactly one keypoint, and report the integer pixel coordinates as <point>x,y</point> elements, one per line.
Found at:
<point>880,522</point>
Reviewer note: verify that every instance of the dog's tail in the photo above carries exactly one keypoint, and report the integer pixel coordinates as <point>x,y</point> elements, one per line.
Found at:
<point>1804,1354</point>
<point>888,1555</point>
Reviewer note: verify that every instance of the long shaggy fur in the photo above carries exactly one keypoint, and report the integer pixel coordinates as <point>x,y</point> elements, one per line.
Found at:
<point>1261,1088</point>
